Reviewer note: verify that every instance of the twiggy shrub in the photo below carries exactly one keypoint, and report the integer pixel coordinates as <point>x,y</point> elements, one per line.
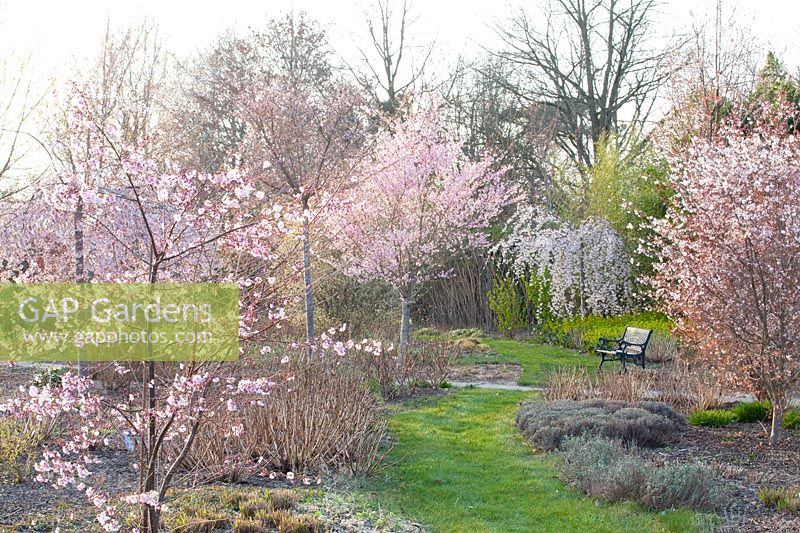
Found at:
<point>425,363</point>
<point>569,383</point>
<point>20,438</point>
<point>687,388</point>
<point>630,386</point>
<point>662,348</point>
<point>320,415</point>
<point>579,384</point>
<point>384,367</point>
<point>434,361</point>
<point>677,385</point>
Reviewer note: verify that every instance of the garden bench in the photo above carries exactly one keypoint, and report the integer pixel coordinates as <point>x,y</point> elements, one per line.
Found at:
<point>631,346</point>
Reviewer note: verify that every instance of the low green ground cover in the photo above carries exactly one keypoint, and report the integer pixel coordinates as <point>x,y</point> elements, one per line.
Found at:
<point>537,360</point>
<point>460,464</point>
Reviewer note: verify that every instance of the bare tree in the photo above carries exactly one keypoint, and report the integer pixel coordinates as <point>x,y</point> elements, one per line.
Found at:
<point>491,117</point>
<point>123,89</point>
<point>718,68</point>
<point>392,61</point>
<point>591,65</point>
<point>20,98</point>
<point>204,120</point>
<point>203,123</point>
<point>304,144</point>
<point>296,46</point>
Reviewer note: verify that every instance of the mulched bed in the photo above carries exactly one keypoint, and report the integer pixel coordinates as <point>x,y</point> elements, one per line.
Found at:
<point>21,502</point>
<point>11,377</point>
<point>504,373</point>
<point>33,506</point>
<point>740,453</point>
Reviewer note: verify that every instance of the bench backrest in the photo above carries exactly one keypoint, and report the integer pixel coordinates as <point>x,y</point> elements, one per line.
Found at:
<point>637,336</point>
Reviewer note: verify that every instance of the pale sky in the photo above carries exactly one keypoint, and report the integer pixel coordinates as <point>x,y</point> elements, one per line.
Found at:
<point>57,35</point>
<point>59,32</point>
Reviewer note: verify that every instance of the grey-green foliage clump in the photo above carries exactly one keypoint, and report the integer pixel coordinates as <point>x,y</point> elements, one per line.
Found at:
<point>547,424</point>
<point>609,470</point>
<point>602,468</point>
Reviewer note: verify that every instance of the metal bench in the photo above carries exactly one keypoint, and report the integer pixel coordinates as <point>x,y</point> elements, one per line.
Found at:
<point>631,346</point>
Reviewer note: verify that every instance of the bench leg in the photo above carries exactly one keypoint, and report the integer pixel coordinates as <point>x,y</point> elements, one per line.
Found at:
<point>622,360</point>
<point>602,360</point>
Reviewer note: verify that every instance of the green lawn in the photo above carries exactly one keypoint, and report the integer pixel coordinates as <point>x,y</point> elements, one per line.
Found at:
<point>536,359</point>
<point>459,464</point>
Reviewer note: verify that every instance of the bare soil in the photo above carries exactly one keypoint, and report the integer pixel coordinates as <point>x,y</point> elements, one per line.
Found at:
<point>503,373</point>
<point>11,377</point>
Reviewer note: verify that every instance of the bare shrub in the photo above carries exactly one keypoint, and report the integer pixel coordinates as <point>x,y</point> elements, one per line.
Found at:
<point>626,386</point>
<point>663,348</point>
<point>321,415</point>
<point>579,384</point>
<point>220,452</point>
<point>433,360</point>
<point>678,385</point>
<point>395,374</point>
<point>688,389</point>
<point>385,368</point>
<point>569,383</point>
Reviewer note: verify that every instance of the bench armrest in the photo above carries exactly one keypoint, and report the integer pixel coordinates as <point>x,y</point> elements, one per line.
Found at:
<point>603,342</point>
<point>623,344</point>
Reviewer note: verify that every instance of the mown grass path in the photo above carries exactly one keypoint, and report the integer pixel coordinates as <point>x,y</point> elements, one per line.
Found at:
<point>459,464</point>
<point>536,360</point>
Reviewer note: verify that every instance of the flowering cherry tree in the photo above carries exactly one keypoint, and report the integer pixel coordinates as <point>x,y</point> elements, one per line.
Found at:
<point>147,221</point>
<point>418,202</point>
<point>302,143</point>
<point>730,272</point>
<point>588,267</point>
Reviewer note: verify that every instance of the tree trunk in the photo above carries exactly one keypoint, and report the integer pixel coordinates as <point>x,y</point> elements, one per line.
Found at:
<point>777,423</point>
<point>77,224</point>
<point>80,262</point>
<point>149,466</point>
<point>581,279</point>
<point>405,324</point>
<point>307,277</point>
<point>149,514</point>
